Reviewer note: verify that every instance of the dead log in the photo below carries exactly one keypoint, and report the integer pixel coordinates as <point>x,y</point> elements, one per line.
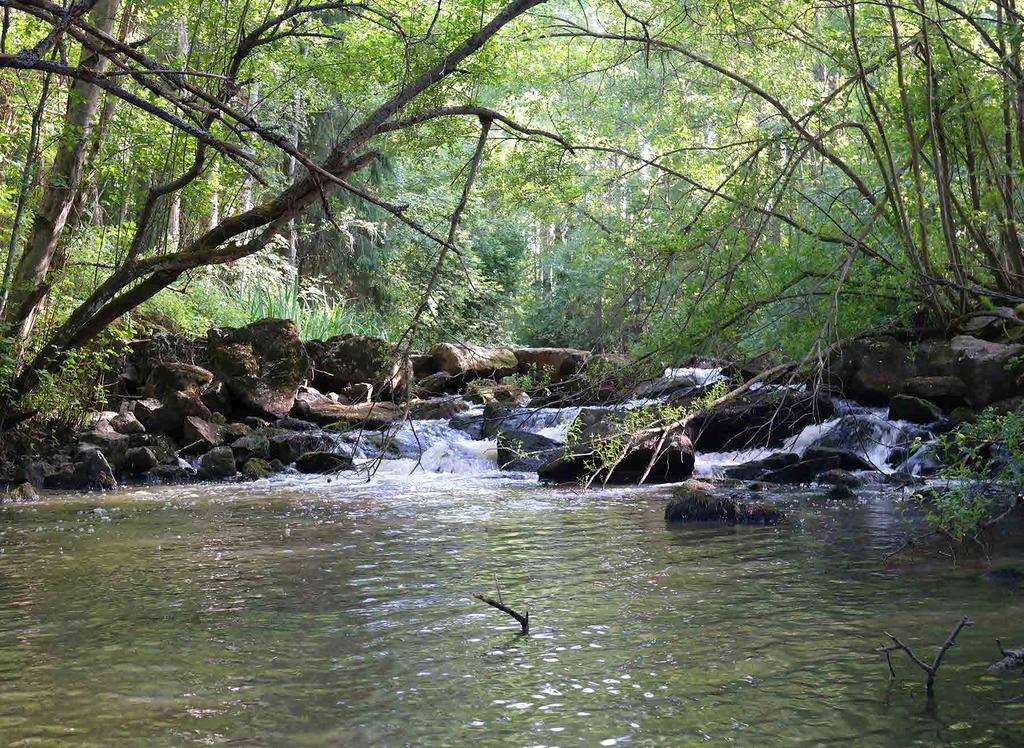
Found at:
<point>524,619</point>
<point>932,669</point>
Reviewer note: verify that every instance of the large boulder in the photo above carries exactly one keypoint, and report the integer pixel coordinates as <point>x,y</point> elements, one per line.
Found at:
<point>700,502</point>
<point>993,370</point>
<point>324,411</point>
<point>525,451</point>
<point>815,462</point>
<point>473,361</point>
<point>764,418</point>
<point>554,364</point>
<point>873,369</point>
<point>356,359</point>
<point>262,364</point>
<point>673,463</point>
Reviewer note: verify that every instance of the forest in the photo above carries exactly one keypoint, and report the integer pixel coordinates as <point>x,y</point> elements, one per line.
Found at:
<point>734,277</point>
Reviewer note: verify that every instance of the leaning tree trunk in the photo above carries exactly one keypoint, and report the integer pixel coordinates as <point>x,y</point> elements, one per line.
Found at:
<point>29,285</point>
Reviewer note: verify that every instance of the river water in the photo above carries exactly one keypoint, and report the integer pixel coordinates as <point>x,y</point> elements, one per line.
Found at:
<point>307,612</point>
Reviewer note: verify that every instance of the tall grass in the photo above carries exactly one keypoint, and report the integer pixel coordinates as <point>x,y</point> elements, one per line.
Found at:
<point>316,315</point>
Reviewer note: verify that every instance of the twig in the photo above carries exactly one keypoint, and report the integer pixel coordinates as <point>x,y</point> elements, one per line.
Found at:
<point>524,619</point>
<point>932,669</point>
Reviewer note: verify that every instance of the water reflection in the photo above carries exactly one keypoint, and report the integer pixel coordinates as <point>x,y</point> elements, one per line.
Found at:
<point>308,613</point>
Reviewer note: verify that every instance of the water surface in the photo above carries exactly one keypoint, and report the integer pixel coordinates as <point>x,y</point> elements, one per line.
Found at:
<point>304,612</point>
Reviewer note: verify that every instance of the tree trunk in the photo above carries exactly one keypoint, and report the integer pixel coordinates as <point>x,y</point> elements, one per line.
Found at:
<point>28,288</point>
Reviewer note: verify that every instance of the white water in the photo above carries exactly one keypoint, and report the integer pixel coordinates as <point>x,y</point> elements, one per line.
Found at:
<point>865,431</point>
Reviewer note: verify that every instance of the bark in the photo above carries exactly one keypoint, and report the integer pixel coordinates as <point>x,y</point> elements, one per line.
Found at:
<point>28,287</point>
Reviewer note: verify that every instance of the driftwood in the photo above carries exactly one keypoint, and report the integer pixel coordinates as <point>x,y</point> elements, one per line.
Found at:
<point>932,669</point>
<point>1012,659</point>
<point>523,619</point>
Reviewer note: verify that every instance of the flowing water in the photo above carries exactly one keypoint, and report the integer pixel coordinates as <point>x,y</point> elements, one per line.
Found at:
<point>307,612</point>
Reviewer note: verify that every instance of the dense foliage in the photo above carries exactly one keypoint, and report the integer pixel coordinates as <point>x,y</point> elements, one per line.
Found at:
<point>715,177</point>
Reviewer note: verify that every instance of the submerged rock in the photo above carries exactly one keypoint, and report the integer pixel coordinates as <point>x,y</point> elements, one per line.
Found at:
<point>262,364</point>
<point>695,501</point>
<point>288,446</point>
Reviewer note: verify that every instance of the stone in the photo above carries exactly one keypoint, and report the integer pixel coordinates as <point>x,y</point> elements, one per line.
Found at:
<point>323,462</point>
<point>847,459</point>
<point>126,423</point>
<point>873,369</point>
<point>433,410</point>
<point>255,445</point>
<point>217,398</point>
<point>169,418</point>
<point>256,469</point>
<point>840,477</point>
<point>764,418</point>
<point>138,460</point>
<point>352,359</point>
<point>473,361</point>
<point>295,424</point>
<point>695,501</point>
<point>913,409</point>
<point>25,492</point>
<point>524,451</point>
<point>840,492</point>
<point>991,324</point>
<point>486,391</point>
<point>100,420</point>
<point>93,472</point>
<point>947,391</point>
<point>438,383</point>
<point>756,468</point>
<point>235,431</point>
<point>261,364</point>
<point>217,463</point>
<point>111,443</point>
<point>991,369</point>
<point>169,377</point>
<point>422,365</point>
<point>200,436</point>
<point>674,462</point>
<point>472,426</point>
<point>354,394</point>
<point>288,446</point>
<point>323,411</point>
<point>170,474</point>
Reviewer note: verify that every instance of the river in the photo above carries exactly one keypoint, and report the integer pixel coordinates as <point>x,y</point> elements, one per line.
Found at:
<point>312,612</point>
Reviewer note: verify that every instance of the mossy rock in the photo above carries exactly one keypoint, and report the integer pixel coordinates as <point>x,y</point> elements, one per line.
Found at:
<point>695,501</point>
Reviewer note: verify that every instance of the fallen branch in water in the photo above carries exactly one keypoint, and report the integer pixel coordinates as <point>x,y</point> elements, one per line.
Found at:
<point>932,669</point>
<point>524,620</point>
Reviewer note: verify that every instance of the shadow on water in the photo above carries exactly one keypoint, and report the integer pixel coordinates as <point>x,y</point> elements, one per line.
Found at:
<point>304,613</point>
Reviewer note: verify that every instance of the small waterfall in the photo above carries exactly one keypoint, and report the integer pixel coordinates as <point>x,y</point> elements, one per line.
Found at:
<point>865,431</point>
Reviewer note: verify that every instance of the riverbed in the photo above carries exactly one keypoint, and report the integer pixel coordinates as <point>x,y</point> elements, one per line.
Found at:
<point>337,612</point>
